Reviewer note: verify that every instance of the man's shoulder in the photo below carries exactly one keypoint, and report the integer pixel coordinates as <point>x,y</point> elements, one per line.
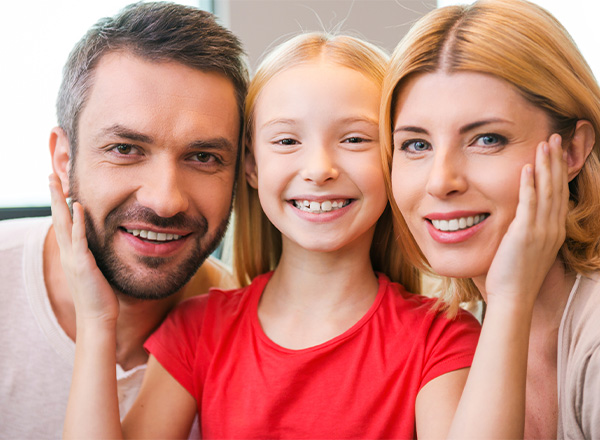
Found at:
<point>14,232</point>
<point>212,273</point>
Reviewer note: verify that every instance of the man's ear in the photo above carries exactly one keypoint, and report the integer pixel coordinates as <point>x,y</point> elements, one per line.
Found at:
<point>580,147</point>
<point>251,170</point>
<point>60,152</point>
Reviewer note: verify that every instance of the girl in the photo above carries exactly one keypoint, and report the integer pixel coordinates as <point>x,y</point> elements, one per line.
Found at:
<point>324,346</point>
<point>470,93</point>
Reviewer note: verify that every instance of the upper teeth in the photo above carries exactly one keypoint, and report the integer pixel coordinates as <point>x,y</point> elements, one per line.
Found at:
<point>325,206</point>
<point>151,235</point>
<point>458,223</point>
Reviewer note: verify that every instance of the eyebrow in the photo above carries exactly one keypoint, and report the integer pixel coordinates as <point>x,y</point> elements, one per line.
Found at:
<point>218,143</point>
<point>348,120</point>
<point>464,129</point>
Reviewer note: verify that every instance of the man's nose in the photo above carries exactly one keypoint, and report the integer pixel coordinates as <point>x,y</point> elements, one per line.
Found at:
<point>163,190</point>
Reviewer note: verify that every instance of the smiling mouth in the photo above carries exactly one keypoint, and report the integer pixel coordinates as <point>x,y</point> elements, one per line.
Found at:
<point>153,236</point>
<point>320,207</point>
<point>458,224</point>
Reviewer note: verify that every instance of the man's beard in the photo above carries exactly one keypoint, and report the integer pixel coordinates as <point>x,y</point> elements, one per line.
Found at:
<point>151,281</point>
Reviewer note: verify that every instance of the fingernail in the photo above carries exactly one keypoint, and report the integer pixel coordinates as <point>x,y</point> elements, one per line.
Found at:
<point>546,148</point>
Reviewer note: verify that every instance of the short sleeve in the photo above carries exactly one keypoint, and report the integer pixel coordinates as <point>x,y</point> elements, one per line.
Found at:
<point>174,343</point>
<point>450,344</point>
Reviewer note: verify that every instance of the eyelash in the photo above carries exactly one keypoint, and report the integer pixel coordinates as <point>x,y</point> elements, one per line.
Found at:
<point>500,142</point>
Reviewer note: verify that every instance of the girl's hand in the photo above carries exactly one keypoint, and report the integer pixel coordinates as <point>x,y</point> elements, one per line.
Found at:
<point>537,232</point>
<point>94,299</point>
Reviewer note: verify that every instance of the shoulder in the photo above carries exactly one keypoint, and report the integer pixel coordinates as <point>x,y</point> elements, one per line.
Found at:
<point>213,273</point>
<point>15,232</point>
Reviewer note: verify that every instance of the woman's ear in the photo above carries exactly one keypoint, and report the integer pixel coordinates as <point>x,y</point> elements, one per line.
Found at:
<point>580,147</point>
<point>60,152</point>
<point>251,170</point>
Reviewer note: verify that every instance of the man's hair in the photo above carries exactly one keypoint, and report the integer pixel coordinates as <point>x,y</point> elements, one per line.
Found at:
<point>156,32</point>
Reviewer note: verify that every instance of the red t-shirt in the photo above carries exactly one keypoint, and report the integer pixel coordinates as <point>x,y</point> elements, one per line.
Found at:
<point>360,384</point>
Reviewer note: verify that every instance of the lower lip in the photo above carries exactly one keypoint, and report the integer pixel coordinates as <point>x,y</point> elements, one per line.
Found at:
<point>323,217</point>
<point>153,249</point>
<point>448,237</point>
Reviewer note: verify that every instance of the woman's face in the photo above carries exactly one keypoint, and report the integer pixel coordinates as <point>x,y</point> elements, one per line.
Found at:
<point>460,142</point>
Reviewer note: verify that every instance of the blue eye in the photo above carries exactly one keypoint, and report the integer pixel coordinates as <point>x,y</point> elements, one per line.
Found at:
<point>415,146</point>
<point>490,140</point>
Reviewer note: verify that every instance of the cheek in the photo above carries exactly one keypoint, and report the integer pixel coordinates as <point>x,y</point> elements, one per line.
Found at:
<point>405,187</point>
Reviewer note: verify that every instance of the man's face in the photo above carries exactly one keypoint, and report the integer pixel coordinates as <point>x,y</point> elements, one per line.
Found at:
<point>155,168</point>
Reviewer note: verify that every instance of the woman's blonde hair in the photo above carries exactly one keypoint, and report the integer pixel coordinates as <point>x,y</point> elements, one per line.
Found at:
<point>257,243</point>
<point>523,44</point>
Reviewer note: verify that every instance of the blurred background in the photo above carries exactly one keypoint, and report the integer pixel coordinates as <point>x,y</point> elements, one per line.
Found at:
<point>37,35</point>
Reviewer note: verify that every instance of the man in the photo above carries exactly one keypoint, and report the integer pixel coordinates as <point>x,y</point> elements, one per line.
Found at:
<point>148,140</point>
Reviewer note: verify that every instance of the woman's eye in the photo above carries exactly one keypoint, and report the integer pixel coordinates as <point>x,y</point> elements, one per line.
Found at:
<point>490,140</point>
<point>415,146</point>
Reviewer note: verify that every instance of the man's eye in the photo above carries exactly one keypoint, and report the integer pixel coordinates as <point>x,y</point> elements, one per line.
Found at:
<point>204,157</point>
<point>125,149</point>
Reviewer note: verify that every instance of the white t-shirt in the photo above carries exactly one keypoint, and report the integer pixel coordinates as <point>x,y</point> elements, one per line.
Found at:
<point>36,355</point>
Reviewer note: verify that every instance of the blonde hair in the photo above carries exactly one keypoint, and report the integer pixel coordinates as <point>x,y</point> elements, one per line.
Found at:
<point>257,243</point>
<point>526,46</point>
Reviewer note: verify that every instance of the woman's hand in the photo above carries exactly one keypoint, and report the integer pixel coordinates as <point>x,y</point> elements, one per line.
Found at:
<point>537,232</point>
<point>94,299</point>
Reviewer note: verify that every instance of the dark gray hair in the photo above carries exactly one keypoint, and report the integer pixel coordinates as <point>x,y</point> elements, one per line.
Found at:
<point>156,31</point>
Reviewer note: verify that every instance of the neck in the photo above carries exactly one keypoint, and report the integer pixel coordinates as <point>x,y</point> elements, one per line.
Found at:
<point>137,318</point>
<point>552,297</point>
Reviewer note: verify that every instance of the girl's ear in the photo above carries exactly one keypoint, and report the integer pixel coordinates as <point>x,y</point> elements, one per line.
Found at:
<point>251,170</point>
<point>60,152</point>
<point>580,147</point>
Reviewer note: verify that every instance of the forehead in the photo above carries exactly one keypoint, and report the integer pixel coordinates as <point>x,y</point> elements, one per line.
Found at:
<point>466,94</point>
<point>159,97</point>
<point>318,86</point>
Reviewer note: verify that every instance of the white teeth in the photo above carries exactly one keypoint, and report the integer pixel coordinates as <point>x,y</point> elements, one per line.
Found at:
<point>316,207</point>
<point>458,223</point>
<point>151,235</point>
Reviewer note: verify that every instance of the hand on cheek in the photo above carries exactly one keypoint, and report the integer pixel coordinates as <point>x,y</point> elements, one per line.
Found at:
<point>534,237</point>
<point>93,297</point>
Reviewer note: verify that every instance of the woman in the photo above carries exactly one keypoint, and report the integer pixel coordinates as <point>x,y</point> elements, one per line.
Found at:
<point>474,95</point>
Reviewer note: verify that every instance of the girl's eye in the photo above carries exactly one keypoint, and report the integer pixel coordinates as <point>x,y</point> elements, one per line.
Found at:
<point>355,140</point>
<point>415,146</point>
<point>490,140</point>
<point>287,141</point>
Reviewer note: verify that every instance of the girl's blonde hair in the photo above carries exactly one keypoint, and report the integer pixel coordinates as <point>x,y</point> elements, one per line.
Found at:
<point>257,243</point>
<point>526,46</point>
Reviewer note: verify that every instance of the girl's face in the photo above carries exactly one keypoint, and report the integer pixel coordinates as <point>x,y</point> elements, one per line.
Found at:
<point>460,142</point>
<point>316,156</point>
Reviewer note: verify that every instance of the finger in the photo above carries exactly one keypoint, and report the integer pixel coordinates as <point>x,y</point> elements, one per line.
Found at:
<point>543,183</point>
<point>80,246</point>
<point>526,209</point>
<point>564,206</point>
<point>557,166</point>
<point>61,216</point>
